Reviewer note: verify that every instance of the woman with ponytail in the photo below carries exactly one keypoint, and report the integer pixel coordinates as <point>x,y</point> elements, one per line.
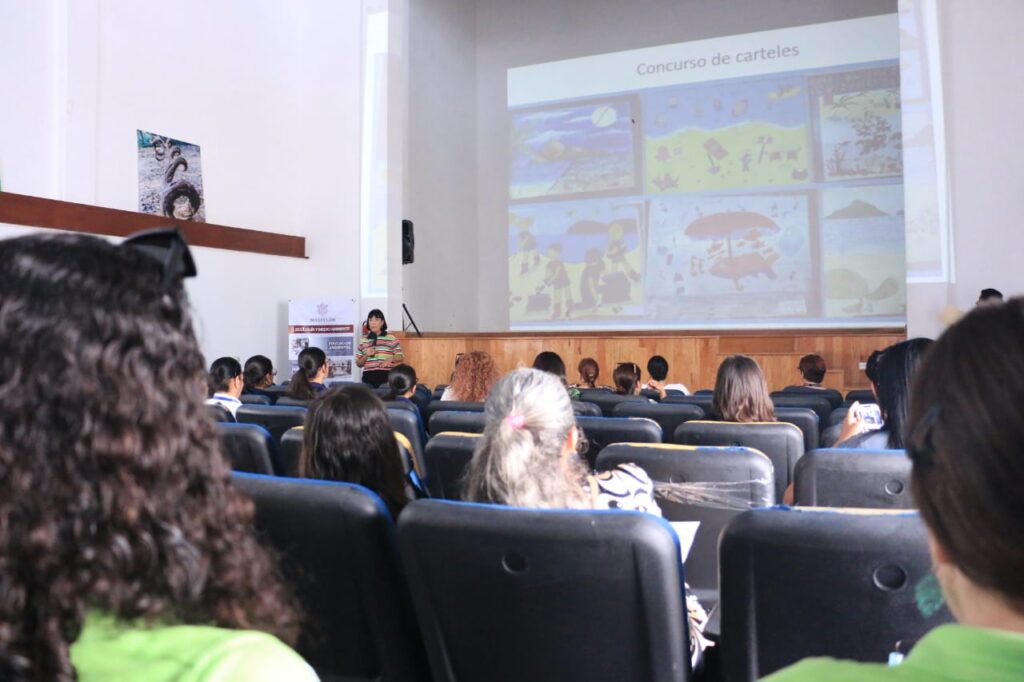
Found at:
<point>307,382</point>
<point>402,386</point>
<point>225,384</point>
<point>258,374</point>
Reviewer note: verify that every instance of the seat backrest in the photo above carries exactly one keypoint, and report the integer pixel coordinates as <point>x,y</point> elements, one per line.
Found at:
<point>421,397</point>
<point>274,418</point>
<point>407,423</point>
<point>819,403</point>
<point>876,479</point>
<point>448,455</point>
<point>607,400</point>
<point>861,395</point>
<point>507,594</point>
<point>337,544</point>
<point>455,405</point>
<point>288,401</point>
<point>701,400</point>
<point>799,583</point>
<point>738,478</point>
<point>438,391</point>
<point>255,399</point>
<point>219,414</point>
<point>838,415</point>
<point>805,419</point>
<point>464,422</point>
<point>783,443</point>
<point>603,431</point>
<point>650,394</point>
<point>668,416</point>
<point>586,409</point>
<point>834,397</point>
<point>291,451</point>
<point>248,447</point>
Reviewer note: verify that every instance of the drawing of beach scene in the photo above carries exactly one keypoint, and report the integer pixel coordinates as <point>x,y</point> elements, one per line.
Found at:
<point>580,149</point>
<point>576,260</point>
<point>728,257</point>
<point>745,134</point>
<point>862,243</point>
<point>860,123</point>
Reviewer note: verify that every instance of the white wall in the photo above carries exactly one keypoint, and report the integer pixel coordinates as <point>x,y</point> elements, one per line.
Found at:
<point>441,166</point>
<point>270,93</point>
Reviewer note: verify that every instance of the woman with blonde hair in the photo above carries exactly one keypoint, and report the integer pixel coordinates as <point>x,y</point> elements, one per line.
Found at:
<point>741,393</point>
<point>473,378</point>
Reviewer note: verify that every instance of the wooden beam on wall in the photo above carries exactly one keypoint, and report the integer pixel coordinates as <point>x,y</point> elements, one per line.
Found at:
<point>21,209</point>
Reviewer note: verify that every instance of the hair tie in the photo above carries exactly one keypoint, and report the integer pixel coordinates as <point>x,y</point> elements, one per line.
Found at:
<point>516,421</point>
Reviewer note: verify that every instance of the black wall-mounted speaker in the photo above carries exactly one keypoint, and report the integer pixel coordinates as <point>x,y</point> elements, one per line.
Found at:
<point>408,243</point>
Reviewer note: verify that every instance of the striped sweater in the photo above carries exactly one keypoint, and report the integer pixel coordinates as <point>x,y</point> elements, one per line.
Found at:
<point>384,354</point>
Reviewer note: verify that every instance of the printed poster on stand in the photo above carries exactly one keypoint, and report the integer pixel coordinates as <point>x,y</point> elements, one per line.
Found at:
<point>326,324</point>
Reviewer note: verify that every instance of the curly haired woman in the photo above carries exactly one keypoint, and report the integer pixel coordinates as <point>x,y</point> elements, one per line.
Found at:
<point>473,379</point>
<point>124,552</point>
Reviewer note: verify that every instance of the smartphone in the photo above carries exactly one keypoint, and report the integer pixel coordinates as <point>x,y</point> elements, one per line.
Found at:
<point>871,415</point>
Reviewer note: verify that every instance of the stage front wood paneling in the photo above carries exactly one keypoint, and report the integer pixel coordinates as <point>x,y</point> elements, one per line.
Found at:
<point>693,357</point>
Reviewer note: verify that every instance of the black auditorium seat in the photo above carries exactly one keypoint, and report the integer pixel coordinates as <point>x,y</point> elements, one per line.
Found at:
<point>877,479</point>
<point>603,431</point>
<point>861,395</point>
<point>585,409</point>
<point>508,594</point>
<point>723,482</point>
<point>607,400</point>
<point>407,422</point>
<point>800,583</point>
<point>448,456</point>
<point>804,419</point>
<point>248,447</point>
<point>834,397</point>
<point>821,405</point>
<point>291,451</point>
<point>450,420</point>
<point>701,400</point>
<point>668,415</point>
<point>274,418</point>
<point>337,545</point>
<point>256,399</point>
<point>287,401</point>
<point>456,405</point>
<point>783,443</point>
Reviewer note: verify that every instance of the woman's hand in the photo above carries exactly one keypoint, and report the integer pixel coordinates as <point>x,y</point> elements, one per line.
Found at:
<point>852,423</point>
<point>658,386</point>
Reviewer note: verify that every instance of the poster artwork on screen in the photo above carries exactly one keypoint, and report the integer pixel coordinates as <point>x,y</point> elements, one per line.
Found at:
<point>326,324</point>
<point>170,177</point>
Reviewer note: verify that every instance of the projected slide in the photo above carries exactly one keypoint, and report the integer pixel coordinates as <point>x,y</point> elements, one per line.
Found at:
<point>743,181</point>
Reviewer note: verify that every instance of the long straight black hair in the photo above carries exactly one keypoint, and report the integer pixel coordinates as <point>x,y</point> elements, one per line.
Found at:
<point>896,369</point>
<point>310,361</point>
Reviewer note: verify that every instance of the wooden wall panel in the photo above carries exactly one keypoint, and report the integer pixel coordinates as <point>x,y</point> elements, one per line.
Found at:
<point>693,358</point>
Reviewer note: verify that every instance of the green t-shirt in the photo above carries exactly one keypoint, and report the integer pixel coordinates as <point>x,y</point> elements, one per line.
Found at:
<point>113,652</point>
<point>949,652</point>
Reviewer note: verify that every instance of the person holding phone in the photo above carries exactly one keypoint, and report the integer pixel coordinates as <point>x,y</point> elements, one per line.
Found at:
<point>378,351</point>
<point>896,368</point>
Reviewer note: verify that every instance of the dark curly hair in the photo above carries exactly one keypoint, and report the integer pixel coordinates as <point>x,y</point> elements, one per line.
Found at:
<point>114,495</point>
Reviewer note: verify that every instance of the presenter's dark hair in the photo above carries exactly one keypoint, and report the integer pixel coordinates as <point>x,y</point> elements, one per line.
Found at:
<point>401,379</point>
<point>657,367</point>
<point>310,361</point>
<point>626,377</point>
<point>379,315</point>
<point>897,367</point>
<point>963,434</point>
<point>348,437</point>
<point>222,371</point>
<point>812,368</point>
<point>125,507</point>
<point>257,370</point>
<point>550,362</point>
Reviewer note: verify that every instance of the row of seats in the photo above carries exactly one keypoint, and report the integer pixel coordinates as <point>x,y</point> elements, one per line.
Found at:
<point>501,593</point>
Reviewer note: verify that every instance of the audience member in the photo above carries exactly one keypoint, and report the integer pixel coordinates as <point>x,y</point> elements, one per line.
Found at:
<point>348,437</point>
<point>657,367</point>
<point>626,378</point>
<point>963,437</point>
<point>896,367</point>
<point>125,553</point>
<point>990,297</point>
<point>551,362</point>
<point>589,371</point>
<point>307,382</point>
<point>812,368</point>
<point>528,456</point>
<point>741,393</point>
<point>225,383</point>
<point>402,384</point>
<point>258,373</point>
<point>378,351</point>
<point>473,378</point>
